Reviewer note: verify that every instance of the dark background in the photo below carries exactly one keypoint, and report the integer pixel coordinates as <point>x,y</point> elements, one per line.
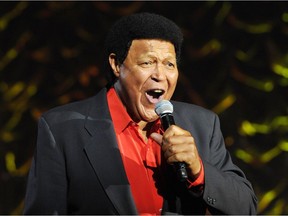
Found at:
<point>234,62</point>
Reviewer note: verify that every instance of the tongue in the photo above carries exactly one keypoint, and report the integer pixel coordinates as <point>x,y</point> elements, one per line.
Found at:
<point>152,99</point>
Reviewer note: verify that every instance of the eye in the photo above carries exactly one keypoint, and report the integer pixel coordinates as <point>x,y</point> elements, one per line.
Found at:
<point>170,65</point>
<point>146,63</point>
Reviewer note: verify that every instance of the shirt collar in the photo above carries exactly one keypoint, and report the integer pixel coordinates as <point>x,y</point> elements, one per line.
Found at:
<point>119,115</point>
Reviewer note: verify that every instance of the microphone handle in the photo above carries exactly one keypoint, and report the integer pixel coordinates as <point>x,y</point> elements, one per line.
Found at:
<point>167,120</point>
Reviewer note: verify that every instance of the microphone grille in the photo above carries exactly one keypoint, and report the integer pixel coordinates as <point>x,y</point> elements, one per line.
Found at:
<point>163,107</point>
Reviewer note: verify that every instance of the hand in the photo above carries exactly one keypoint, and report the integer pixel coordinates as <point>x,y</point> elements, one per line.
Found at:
<point>178,145</point>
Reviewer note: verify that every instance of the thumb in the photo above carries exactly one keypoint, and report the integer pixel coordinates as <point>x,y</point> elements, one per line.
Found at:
<point>157,137</point>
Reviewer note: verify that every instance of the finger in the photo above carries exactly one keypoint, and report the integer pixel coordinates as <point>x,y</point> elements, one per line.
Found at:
<point>174,155</point>
<point>178,143</point>
<point>174,130</point>
<point>157,137</point>
<point>179,157</point>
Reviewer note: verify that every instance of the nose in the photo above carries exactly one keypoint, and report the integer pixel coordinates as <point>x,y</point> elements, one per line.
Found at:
<point>158,73</point>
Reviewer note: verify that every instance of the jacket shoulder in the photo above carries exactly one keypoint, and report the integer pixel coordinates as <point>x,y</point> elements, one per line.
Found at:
<point>78,109</point>
<point>193,117</point>
<point>72,106</point>
<point>187,109</point>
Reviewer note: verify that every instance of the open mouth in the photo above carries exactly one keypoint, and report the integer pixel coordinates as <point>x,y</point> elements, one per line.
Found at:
<point>155,95</point>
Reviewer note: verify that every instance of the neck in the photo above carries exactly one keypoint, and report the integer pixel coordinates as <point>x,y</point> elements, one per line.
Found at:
<point>143,125</point>
<point>144,128</point>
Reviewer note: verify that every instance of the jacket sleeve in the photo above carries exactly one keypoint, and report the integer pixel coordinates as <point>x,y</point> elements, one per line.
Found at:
<point>47,187</point>
<point>226,191</point>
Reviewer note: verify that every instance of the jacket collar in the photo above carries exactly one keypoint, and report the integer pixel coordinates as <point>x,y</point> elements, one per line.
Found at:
<point>104,155</point>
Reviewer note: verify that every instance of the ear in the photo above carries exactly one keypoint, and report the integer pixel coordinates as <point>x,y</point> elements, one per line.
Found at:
<point>114,64</point>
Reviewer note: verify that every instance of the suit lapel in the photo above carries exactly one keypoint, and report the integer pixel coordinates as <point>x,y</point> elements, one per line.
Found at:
<point>104,156</point>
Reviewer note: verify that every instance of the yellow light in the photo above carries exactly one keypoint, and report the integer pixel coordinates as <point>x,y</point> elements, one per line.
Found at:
<point>6,136</point>
<point>263,85</point>
<point>247,128</point>
<point>13,121</point>
<point>3,24</point>
<point>285,17</point>
<point>283,82</point>
<point>269,155</point>
<point>278,208</point>
<point>16,11</point>
<point>250,129</point>
<point>31,90</point>
<point>10,162</point>
<point>14,91</point>
<point>12,53</point>
<point>267,86</point>
<point>212,46</point>
<point>280,121</point>
<point>242,56</point>
<point>266,200</point>
<point>257,28</point>
<point>223,12</point>
<point>280,70</point>
<point>224,104</point>
<point>283,145</point>
<point>271,195</point>
<point>243,155</point>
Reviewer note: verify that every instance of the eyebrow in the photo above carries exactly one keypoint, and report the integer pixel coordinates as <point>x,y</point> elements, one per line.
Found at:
<point>149,55</point>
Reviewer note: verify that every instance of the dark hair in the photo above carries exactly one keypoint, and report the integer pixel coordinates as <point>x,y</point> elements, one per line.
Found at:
<point>139,26</point>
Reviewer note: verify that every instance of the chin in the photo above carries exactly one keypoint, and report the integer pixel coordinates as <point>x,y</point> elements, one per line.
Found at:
<point>151,118</point>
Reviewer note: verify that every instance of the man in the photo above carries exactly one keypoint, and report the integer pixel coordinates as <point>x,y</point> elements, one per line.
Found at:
<point>109,155</point>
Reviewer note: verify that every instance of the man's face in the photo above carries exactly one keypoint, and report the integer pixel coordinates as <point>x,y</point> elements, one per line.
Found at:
<point>148,75</point>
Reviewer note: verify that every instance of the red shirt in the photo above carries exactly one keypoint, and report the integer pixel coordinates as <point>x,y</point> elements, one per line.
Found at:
<point>141,158</point>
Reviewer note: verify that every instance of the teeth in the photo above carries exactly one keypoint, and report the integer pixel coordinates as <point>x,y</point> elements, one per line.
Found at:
<point>155,93</point>
<point>158,91</point>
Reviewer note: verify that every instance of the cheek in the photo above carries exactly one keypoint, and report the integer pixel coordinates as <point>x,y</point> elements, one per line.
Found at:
<point>172,79</point>
<point>136,79</point>
<point>172,82</point>
<point>131,84</point>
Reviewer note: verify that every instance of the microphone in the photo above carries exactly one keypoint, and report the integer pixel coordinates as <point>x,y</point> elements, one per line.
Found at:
<point>164,110</point>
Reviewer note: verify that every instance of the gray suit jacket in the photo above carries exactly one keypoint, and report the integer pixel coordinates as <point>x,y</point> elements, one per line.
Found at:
<point>77,166</point>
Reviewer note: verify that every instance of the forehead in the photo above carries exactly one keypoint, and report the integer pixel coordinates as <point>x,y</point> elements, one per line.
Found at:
<point>152,46</point>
